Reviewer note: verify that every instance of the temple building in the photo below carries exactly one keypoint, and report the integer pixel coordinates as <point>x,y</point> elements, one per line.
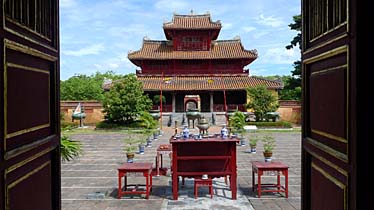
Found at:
<point>193,69</point>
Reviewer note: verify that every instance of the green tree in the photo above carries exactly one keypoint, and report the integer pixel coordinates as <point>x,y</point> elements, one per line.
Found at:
<point>261,100</point>
<point>156,99</point>
<point>292,85</point>
<point>83,87</point>
<point>125,100</point>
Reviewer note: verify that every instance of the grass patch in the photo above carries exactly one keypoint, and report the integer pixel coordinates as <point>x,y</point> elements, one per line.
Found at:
<point>68,125</point>
<point>295,130</point>
<point>278,124</point>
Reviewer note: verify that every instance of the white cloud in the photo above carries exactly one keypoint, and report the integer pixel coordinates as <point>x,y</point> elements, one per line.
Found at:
<point>129,30</point>
<point>248,28</point>
<point>269,21</point>
<point>259,35</point>
<point>226,26</point>
<point>89,50</point>
<point>280,56</point>
<point>171,6</point>
<point>114,65</point>
<point>255,71</point>
<point>67,3</point>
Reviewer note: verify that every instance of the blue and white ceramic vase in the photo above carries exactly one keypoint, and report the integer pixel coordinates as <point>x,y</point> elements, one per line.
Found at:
<point>186,133</point>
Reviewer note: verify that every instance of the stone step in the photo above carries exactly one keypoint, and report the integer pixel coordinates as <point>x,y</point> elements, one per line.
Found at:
<point>168,119</point>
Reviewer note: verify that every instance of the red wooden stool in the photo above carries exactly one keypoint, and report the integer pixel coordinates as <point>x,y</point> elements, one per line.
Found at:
<point>203,182</point>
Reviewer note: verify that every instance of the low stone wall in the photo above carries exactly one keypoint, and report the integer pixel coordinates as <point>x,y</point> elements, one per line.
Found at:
<point>290,111</point>
<point>93,110</point>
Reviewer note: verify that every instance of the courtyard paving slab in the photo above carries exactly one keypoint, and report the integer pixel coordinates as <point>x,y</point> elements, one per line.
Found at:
<point>90,181</point>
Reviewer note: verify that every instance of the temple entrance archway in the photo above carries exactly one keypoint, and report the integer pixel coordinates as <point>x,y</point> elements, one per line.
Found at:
<point>191,102</point>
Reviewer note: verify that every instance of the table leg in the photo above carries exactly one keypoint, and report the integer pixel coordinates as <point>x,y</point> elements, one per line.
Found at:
<point>125,178</point>
<point>151,182</point>
<point>119,185</point>
<point>259,173</point>
<point>161,159</point>
<point>147,186</point>
<point>278,180</point>
<point>195,189</point>
<point>253,180</point>
<point>211,190</point>
<point>233,184</point>
<point>175,186</point>
<point>286,181</point>
<point>158,165</point>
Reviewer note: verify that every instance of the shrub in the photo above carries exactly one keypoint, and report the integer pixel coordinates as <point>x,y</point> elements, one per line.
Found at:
<point>125,101</point>
<point>68,125</point>
<point>70,149</point>
<point>107,125</point>
<point>237,121</point>
<point>279,124</point>
<point>261,101</point>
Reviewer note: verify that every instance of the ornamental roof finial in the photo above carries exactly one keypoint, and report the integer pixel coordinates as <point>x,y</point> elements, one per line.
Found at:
<point>191,11</point>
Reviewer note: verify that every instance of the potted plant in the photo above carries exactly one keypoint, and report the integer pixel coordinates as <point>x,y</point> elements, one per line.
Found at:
<point>148,125</point>
<point>130,152</point>
<point>269,145</point>
<point>142,141</point>
<point>237,123</point>
<point>130,142</point>
<point>253,143</point>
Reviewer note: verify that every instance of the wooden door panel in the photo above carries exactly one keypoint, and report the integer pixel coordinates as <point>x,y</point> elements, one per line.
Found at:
<point>326,186</point>
<point>30,184</point>
<point>27,90</point>
<point>326,86</point>
<point>30,160</point>
<point>327,108</point>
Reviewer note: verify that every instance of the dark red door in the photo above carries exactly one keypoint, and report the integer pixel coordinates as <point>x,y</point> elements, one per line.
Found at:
<point>29,78</point>
<point>336,135</point>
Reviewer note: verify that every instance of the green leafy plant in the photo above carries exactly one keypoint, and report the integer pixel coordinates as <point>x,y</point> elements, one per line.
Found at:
<point>125,100</point>
<point>133,138</point>
<point>261,101</point>
<point>130,148</point>
<point>70,149</point>
<point>85,87</point>
<point>237,122</point>
<point>156,100</point>
<point>268,143</point>
<point>146,120</point>
<point>278,124</point>
<point>253,140</point>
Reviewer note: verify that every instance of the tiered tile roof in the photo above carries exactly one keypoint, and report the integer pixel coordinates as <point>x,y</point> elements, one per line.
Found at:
<point>205,82</point>
<point>222,49</point>
<point>192,22</point>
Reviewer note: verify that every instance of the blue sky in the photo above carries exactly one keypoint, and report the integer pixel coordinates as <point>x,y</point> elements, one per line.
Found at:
<point>96,35</point>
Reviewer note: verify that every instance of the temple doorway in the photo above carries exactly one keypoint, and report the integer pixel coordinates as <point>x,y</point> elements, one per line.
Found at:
<point>191,102</point>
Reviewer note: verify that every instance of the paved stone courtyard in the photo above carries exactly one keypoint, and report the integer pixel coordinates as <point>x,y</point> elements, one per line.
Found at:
<point>90,182</point>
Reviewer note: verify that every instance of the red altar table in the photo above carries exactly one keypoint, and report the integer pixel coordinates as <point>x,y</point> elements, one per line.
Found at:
<point>144,168</point>
<point>215,157</point>
<point>277,167</point>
